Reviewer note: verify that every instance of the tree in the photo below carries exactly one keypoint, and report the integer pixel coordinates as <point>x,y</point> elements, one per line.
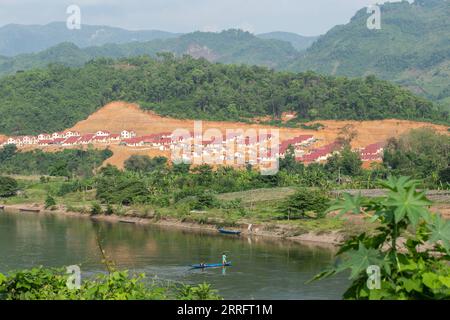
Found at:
<point>289,163</point>
<point>303,201</point>
<point>418,272</point>
<point>7,152</point>
<point>49,202</point>
<point>346,163</point>
<point>144,163</point>
<point>444,175</point>
<point>8,187</point>
<point>421,153</point>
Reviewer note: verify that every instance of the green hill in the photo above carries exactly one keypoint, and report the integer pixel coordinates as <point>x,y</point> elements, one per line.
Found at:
<point>55,98</point>
<point>412,48</point>
<point>298,42</point>
<point>18,39</point>
<point>232,46</point>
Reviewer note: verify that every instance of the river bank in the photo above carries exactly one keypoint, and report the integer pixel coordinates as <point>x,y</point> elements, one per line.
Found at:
<point>270,230</point>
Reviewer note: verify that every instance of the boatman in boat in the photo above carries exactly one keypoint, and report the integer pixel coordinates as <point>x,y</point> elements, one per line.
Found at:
<point>224,259</point>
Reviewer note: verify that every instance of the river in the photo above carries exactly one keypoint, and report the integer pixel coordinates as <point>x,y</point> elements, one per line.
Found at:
<point>261,269</point>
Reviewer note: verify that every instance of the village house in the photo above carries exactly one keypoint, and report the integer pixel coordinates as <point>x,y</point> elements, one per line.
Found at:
<point>320,154</point>
<point>86,139</point>
<point>113,138</point>
<point>133,142</point>
<point>102,133</point>
<point>71,141</point>
<point>29,140</point>
<point>58,135</point>
<point>44,136</point>
<point>127,134</point>
<point>373,152</point>
<point>70,134</point>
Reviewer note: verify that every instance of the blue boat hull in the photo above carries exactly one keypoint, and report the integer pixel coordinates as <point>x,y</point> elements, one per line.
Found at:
<point>206,266</point>
<point>230,232</point>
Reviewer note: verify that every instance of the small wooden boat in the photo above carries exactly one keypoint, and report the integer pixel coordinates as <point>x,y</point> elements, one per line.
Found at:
<point>29,210</point>
<point>127,221</point>
<point>208,266</point>
<point>236,233</point>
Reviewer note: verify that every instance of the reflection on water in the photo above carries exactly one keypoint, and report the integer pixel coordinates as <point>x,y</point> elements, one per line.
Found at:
<point>261,269</point>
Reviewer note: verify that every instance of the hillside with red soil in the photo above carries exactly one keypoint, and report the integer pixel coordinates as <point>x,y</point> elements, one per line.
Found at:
<point>117,116</point>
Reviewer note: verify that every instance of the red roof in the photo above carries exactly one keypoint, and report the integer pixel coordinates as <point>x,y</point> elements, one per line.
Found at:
<point>319,153</point>
<point>133,140</point>
<point>58,140</point>
<point>72,140</point>
<point>87,137</point>
<point>373,149</point>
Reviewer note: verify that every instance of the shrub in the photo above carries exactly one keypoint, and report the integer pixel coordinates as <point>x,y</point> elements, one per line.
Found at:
<point>303,201</point>
<point>50,202</point>
<point>51,284</point>
<point>109,210</point>
<point>8,187</point>
<point>421,270</point>
<point>205,200</point>
<point>96,209</point>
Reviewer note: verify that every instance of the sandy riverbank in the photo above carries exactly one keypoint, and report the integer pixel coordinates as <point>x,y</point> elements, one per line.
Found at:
<point>272,231</point>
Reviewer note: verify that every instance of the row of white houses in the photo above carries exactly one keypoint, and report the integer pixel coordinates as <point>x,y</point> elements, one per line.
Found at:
<point>69,138</point>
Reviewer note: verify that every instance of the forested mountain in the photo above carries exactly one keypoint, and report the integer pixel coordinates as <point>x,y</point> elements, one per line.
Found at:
<point>17,39</point>
<point>55,98</point>
<point>298,42</point>
<point>232,46</point>
<point>412,48</point>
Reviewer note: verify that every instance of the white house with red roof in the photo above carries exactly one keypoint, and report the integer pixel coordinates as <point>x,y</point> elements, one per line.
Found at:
<point>71,141</point>
<point>69,134</point>
<point>373,152</point>
<point>58,135</point>
<point>102,133</point>
<point>86,139</point>
<point>44,136</point>
<point>127,134</point>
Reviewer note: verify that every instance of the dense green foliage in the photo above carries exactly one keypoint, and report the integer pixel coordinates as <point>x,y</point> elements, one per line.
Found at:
<point>411,48</point>
<point>303,203</point>
<point>49,202</point>
<point>423,154</point>
<point>417,270</point>
<point>58,97</point>
<point>8,187</point>
<point>196,188</point>
<point>347,163</point>
<point>140,163</point>
<point>66,163</point>
<point>51,284</point>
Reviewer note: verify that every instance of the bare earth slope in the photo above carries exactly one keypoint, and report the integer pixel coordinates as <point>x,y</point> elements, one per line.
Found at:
<point>117,116</point>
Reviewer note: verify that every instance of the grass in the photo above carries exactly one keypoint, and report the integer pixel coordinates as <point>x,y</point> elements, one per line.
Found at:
<point>258,195</point>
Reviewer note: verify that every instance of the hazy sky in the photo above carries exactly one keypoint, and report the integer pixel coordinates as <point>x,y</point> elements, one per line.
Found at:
<point>307,17</point>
